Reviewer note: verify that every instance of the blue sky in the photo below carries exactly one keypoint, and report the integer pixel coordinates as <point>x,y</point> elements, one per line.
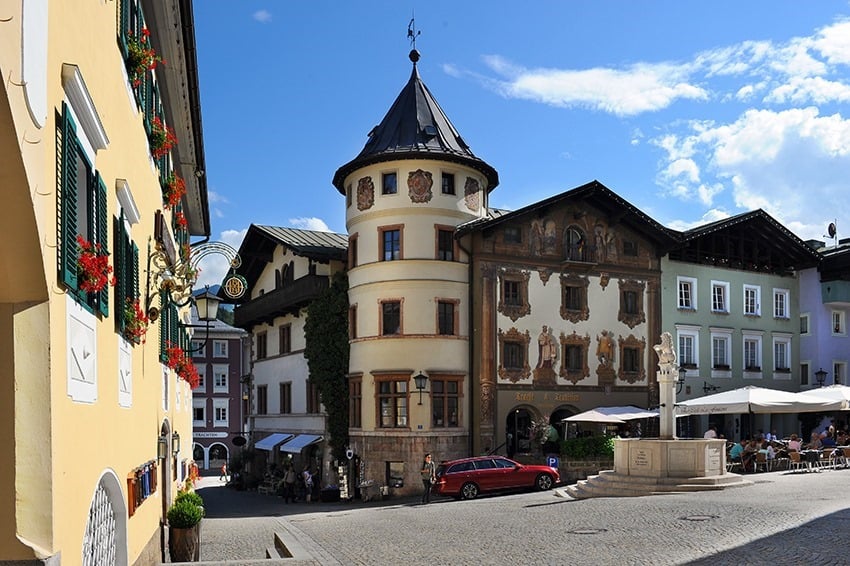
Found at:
<point>692,111</point>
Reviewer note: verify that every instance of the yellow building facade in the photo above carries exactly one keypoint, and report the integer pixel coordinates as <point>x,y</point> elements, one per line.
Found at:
<point>86,399</point>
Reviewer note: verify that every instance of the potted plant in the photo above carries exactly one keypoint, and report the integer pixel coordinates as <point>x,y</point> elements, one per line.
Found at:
<point>135,321</point>
<point>141,57</point>
<point>162,138</point>
<point>184,527</point>
<point>179,361</point>
<point>173,190</point>
<point>93,267</point>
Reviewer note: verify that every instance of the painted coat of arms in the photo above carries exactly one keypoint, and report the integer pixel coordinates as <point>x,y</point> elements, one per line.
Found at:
<point>365,193</point>
<point>419,185</point>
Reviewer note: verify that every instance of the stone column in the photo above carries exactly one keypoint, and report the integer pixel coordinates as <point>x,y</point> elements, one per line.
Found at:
<point>667,374</point>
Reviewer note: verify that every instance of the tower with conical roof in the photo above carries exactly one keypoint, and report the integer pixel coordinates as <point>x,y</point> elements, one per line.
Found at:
<point>415,181</point>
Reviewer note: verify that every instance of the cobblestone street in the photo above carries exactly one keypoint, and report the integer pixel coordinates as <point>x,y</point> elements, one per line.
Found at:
<point>783,519</point>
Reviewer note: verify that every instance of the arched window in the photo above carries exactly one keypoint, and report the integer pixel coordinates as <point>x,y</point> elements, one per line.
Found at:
<point>575,245</point>
<point>105,538</point>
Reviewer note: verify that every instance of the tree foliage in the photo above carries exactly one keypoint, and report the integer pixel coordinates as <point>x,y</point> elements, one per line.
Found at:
<point>326,333</point>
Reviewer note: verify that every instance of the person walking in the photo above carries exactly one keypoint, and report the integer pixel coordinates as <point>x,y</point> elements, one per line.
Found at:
<point>289,485</point>
<point>223,476</point>
<point>308,483</point>
<point>429,477</point>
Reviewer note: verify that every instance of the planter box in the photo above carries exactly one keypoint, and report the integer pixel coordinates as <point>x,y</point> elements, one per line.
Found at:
<point>184,545</point>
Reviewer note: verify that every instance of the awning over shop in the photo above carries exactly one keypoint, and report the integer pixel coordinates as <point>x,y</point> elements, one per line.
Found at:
<point>300,442</point>
<point>268,443</point>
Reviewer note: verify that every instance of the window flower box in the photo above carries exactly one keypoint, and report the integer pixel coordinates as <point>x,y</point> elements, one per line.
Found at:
<point>93,267</point>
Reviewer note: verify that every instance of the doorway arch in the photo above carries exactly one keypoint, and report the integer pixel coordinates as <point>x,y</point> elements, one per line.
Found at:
<point>518,429</point>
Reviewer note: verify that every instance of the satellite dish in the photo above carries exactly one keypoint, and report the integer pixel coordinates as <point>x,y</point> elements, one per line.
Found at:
<point>831,229</point>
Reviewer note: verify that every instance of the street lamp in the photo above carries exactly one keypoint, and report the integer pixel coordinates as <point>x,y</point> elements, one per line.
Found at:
<point>175,443</point>
<point>207,306</point>
<point>681,381</point>
<point>162,447</point>
<point>420,379</point>
<point>820,377</point>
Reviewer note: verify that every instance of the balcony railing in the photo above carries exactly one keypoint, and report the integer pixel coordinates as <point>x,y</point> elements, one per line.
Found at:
<point>285,300</point>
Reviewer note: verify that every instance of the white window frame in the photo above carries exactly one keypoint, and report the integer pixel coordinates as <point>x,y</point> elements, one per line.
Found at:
<point>692,332</point>
<point>783,340</point>
<point>199,349</point>
<point>838,323</point>
<point>166,373</point>
<point>199,403</point>
<point>691,282</point>
<point>218,371</point>
<point>807,317</point>
<point>756,337</point>
<point>785,296</point>
<point>756,290</point>
<point>725,288</point>
<point>219,348</point>
<point>202,377</point>
<point>724,334</point>
<point>218,406</point>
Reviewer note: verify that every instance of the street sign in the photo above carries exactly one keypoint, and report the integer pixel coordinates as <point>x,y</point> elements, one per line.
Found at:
<point>553,462</point>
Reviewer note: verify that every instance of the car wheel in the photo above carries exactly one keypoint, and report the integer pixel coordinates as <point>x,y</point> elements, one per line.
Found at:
<point>469,491</point>
<point>543,482</point>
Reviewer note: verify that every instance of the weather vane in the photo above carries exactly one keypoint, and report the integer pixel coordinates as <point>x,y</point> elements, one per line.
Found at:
<point>412,34</point>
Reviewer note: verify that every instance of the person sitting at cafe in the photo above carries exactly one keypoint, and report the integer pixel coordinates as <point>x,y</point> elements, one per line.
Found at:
<point>795,444</point>
<point>736,451</point>
<point>815,442</point>
<point>828,441</point>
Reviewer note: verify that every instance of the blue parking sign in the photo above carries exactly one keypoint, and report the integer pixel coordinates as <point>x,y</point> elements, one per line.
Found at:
<point>553,462</point>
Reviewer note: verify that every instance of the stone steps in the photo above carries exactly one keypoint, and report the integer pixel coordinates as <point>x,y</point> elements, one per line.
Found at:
<point>611,484</point>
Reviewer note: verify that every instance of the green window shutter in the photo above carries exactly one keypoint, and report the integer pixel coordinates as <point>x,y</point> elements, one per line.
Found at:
<point>101,220</point>
<point>134,269</point>
<point>120,259</point>
<point>66,181</point>
<point>163,326</point>
<point>124,25</point>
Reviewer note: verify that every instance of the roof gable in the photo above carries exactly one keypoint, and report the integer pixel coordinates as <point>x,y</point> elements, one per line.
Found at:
<point>752,241</point>
<point>257,249</point>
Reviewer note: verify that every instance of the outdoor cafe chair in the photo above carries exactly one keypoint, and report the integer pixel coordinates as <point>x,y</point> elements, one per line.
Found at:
<point>795,462</point>
<point>762,462</point>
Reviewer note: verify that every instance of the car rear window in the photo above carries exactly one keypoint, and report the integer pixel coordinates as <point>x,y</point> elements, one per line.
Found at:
<point>460,467</point>
<point>441,469</point>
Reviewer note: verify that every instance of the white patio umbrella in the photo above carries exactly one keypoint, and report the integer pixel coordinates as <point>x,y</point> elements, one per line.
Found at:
<point>832,392</point>
<point>616,415</point>
<point>751,399</point>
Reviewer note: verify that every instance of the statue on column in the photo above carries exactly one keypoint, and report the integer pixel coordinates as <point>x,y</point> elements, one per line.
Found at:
<point>666,354</point>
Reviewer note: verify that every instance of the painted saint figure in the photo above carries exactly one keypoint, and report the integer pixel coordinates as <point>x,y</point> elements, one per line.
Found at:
<point>547,350</point>
<point>605,349</point>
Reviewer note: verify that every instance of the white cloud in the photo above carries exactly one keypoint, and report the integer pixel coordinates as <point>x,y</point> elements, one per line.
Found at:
<point>833,42</point>
<point>262,16</point>
<point>217,197</point>
<point>310,223</point>
<point>625,92</point>
<point>787,162</point>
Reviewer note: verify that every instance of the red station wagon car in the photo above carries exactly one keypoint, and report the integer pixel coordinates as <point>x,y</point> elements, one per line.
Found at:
<point>467,477</point>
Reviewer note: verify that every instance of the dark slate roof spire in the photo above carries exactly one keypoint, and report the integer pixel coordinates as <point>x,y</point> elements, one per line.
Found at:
<point>415,128</point>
